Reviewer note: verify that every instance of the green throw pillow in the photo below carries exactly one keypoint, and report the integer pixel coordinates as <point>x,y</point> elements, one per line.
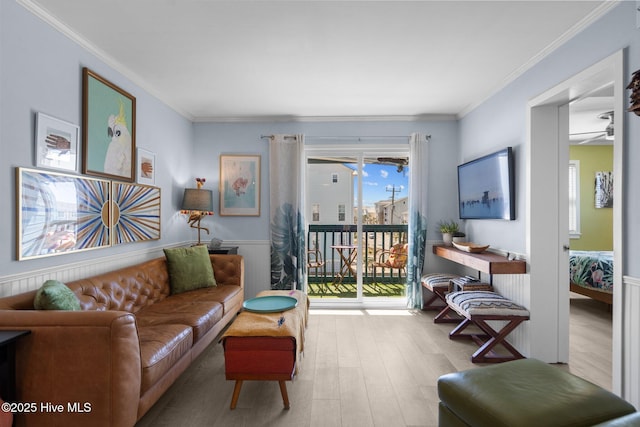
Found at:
<point>55,295</point>
<point>189,268</point>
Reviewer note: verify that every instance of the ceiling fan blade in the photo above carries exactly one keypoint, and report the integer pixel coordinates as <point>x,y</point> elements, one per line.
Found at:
<point>394,160</point>
<point>587,133</point>
<point>595,138</point>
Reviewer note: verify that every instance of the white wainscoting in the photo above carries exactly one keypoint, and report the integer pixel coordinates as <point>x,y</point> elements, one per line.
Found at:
<point>257,264</point>
<point>631,340</point>
<point>516,287</point>
<point>31,280</point>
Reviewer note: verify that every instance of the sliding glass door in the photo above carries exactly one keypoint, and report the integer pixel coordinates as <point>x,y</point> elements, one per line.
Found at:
<point>356,203</point>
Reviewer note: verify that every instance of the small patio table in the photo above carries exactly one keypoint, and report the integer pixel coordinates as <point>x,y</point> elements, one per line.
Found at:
<point>348,255</point>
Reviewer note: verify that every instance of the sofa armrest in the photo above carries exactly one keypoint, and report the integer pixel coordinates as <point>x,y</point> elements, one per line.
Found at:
<point>228,269</point>
<point>87,361</point>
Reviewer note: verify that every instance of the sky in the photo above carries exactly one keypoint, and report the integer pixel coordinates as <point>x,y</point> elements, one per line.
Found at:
<point>379,180</point>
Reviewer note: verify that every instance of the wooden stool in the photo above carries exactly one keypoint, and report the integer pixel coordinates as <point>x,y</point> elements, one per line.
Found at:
<point>438,285</point>
<point>478,307</point>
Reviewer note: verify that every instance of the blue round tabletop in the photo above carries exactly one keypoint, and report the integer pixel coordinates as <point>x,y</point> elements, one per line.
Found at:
<point>270,304</point>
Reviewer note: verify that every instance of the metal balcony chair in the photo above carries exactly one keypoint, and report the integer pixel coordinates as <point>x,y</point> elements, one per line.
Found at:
<point>393,258</point>
<point>315,262</point>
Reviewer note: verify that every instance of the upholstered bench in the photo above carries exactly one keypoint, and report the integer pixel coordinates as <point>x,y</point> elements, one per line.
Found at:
<point>527,393</point>
<point>266,346</point>
<point>478,307</point>
<point>438,285</point>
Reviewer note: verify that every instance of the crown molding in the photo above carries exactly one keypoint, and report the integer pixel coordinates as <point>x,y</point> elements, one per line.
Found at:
<point>285,118</point>
<point>47,17</point>
<point>595,14</point>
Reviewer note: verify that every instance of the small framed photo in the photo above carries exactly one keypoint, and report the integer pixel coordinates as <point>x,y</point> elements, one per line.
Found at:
<point>604,189</point>
<point>239,185</point>
<point>57,144</point>
<point>146,167</point>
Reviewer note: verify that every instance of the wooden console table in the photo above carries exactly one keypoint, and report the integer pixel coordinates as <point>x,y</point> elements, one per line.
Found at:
<point>486,262</point>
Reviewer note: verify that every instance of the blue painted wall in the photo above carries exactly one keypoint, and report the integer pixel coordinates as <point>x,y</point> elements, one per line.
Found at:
<point>212,139</point>
<point>40,70</point>
<point>501,121</point>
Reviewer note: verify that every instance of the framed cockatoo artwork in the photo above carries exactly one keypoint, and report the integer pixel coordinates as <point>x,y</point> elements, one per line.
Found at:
<point>108,129</point>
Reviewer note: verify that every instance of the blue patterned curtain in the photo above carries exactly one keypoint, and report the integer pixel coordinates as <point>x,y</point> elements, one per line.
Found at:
<point>418,146</point>
<point>286,183</point>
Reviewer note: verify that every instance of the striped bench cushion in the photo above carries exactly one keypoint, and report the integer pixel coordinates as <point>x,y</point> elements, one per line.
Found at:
<point>484,303</point>
<point>437,280</point>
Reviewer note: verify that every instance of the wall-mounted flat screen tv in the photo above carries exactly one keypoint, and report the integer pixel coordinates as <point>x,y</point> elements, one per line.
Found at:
<point>486,187</point>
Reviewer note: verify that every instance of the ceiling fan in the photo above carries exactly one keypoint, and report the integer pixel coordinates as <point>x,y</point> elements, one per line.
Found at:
<point>400,162</point>
<point>607,133</point>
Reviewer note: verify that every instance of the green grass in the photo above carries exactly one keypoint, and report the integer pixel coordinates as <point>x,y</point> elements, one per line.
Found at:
<point>348,290</point>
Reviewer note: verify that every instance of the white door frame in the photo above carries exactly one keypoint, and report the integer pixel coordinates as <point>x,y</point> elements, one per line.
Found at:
<point>547,202</point>
<point>359,151</point>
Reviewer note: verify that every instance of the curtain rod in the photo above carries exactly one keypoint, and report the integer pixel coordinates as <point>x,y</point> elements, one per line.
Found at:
<point>272,136</point>
<point>359,138</point>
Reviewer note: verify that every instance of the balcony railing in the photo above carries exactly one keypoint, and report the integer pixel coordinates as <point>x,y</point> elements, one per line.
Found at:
<point>332,274</point>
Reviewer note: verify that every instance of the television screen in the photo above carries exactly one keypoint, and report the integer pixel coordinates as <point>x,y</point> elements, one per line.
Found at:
<point>486,187</point>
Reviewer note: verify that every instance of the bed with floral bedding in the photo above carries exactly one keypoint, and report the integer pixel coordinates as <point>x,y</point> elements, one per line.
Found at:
<point>591,274</point>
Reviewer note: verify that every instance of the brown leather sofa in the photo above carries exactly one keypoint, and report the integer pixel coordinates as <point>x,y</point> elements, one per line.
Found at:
<point>110,362</point>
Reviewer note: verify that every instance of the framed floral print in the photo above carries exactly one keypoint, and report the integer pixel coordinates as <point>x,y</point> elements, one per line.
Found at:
<point>239,185</point>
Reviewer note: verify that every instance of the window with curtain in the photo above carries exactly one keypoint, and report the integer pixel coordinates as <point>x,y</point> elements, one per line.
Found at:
<point>574,199</point>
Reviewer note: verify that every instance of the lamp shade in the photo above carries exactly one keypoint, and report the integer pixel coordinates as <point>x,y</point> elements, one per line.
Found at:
<point>197,200</point>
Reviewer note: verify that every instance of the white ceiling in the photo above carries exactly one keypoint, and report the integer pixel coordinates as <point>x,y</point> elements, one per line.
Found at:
<point>585,124</point>
<point>247,60</point>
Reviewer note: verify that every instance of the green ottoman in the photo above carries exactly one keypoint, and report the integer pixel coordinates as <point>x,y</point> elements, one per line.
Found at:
<point>525,393</point>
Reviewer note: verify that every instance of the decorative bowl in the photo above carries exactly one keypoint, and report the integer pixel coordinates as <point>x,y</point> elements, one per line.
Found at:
<point>470,247</point>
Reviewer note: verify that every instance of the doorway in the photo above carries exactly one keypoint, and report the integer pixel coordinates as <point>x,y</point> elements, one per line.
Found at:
<point>547,229</point>
<point>591,210</point>
<point>356,208</point>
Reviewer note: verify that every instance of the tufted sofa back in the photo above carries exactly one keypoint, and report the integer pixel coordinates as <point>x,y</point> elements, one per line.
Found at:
<point>132,288</point>
<point>126,289</point>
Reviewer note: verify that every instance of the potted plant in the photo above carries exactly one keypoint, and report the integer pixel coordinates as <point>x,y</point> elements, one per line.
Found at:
<point>448,228</point>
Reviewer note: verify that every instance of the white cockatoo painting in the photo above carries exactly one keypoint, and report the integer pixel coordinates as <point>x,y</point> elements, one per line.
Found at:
<point>118,158</point>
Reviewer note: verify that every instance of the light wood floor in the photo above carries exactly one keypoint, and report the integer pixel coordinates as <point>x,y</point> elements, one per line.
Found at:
<point>361,368</point>
<point>590,345</point>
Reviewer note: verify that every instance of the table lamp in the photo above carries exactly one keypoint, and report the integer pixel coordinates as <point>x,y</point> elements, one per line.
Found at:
<point>197,203</point>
